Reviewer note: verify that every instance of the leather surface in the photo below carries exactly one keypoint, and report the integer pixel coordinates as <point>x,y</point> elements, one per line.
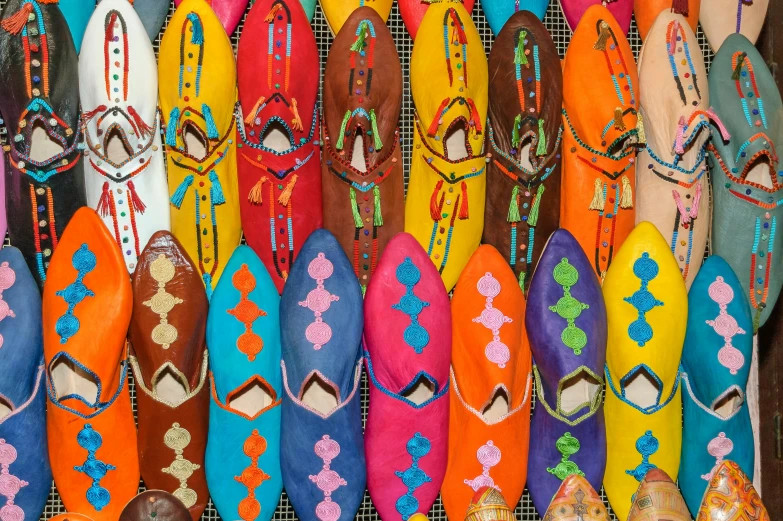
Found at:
<point>646,11</point>
<point>721,18</point>
<point>77,13</point>
<point>658,498</point>
<point>155,504</point>
<point>337,12</point>
<point>500,11</point>
<point>731,496</point>
<point>412,12</point>
<point>576,494</point>
<point>574,10</point>
<point>228,11</point>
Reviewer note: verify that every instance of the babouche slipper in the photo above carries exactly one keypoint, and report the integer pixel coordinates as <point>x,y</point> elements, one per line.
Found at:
<point>524,143</point>
<point>730,496</point>
<point>362,163</point>
<point>24,457</point>
<point>487,504</point>
<point>599,143</point>
<point>576,10</point>
<point>155,504</point>
<point>499,12</point>
<point>658,498</point>
<point>566,324</point>
<point>77,13</point>
<point>39,100</point>
<point>444,206</point>
<point>413,11</point>
<point>3,214</point>
<point>721,18</point>
<point>169,362</point>
<point>576,496</point>
<point>747,188</point>
<point>90,425</point>
<point>197,96</point>
<point>491,384</point>
<point>309,8</point>
<point>70,517</point>
<point>645,13</point>
<point>716,364</point>
<point>229,12</point>
<point>408,364</point>
<point>152,14</point>
<point>278,156</point>
<point>647,312</point>
<point>322,448</point>
<point>125,172</point>
<point>337,12</point>
<point>243,334</point>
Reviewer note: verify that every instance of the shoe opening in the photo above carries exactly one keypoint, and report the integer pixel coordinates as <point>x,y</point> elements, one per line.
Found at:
<point>169,386</point>
<point>196,142</point>
<point>43,147</point>
<point>319,394</point>
<point>523,154</point>
<point>5,407</point>
<point>276,137</point>
<point>727,405</point>
<point>497,407</point>
<point>419,390</point>
<point>116,149</point>
<point>761,172</point>
<point>617,149</point>
<point>455,141</point>
<point>358,159</point>
<point>251,397</point>
<point>578,392</point>
<point>642,388</point>
<point>71,380</point>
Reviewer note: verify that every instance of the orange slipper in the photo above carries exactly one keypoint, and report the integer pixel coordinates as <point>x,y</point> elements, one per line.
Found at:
<point>646,11</point>
<point>70,517</point>
<point>87,303</point>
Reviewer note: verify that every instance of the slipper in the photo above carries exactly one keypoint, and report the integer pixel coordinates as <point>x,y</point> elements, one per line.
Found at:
<point>658,498</point>
<point>278,145</point>
<point>413,11</point>
<point>228,11</point>
<point>746,185</point>
<point>576,495</point>
<point>322,448</point>
<point>646,331</point>
<point>600,139</point>
<point>125,172</point>
<point>566,323</point>
<point>197,97</point>
<point>444,206</point>
<point>672,189</point>
<point>524,152</point>
<point>645,13</point>
<point>719,21</point>
<point>70,517</point>
<point>491,384</point>
<point>500,11</point>
<point>309,8</point>
<point>3,214</point>
<point>731,496</point>
<point>157,505</point>
<point>575,10</point>
<point>408,418</point>
<point>243,335</point>
<point>152,14</point>
<point>169,363</point>
<point>364,189</point>
<point>39,100</point>
<point>77,13</point>
<point>487,504</point>
<point>716,363</point>
<point>90,423</point>
<point>337,12</point>
<point>24,458</point>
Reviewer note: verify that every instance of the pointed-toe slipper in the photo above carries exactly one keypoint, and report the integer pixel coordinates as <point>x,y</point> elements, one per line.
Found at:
<point>499,12</point>
<point>152,14</point>
<point>279,158</point>
<point>337,12</point>
<point>487,504</point>
<point>658,498</point>
<point>730,496</point>
<point>647,11</point>
<point>575,11</point>
<point>3,214</point>
<point>70,517</point>
<point>229,12</point>
<point>155,504</point>
<point>77,13</point>
<point>90,423</point>
<point>413,11</point>
<point>721,18</point>
<point>576,496</point>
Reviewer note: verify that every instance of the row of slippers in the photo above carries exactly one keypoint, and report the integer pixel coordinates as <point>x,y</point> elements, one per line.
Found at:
<point>450,383</point>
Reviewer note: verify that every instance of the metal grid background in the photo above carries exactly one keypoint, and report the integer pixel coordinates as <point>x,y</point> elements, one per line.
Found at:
<point>561,34</point>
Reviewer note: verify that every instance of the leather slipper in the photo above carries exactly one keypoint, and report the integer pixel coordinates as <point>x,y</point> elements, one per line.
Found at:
<point>228,11</point>
<point>487,504</point>
<point>444,206</point>
<point>575,10</point>
<point>500,11</point>
<point>731,496</point>
<point>3,214</point>
<point>413,11</point>
<point>364,188</point>
<point>77,13</point>
<point>90,424</point>
<point>322,447</point>
<point>337,12</point>
<point>722,18</point>
<point>524,143</point>
<point>576,495</point>
<point>277,134</point>
<point>70,517</point>
<point>153,15</point>
<point>157,505</point>
<point>309,7</point>
<point>491,384</point>
<point>169,362</point>
<point>39,100</point>
<point>658,498</point>
<point>645,12</point>
<point>197,97</point>
<point>125,172</point>
<point>408,365</point>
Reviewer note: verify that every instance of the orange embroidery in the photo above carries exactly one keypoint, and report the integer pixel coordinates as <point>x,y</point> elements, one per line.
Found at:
<point>246,311</point>
<point>252,477</point>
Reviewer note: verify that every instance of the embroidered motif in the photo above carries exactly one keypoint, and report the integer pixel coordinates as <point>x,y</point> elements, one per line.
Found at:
<point>318,301</point>
<point>162,270</point>
<point>84,261</point>
<point>91,440</point>
<point>9,484</point>
<point>7,279</point>
<point>413,477</point>
<point>567,445</point>
<point>493,319</point>
<point>726,326</point>
<point>719,447</point>
<point>414,335</point>
<point>327,480</point>
<point>646,445</point>
<point>247,312</point>
<point>645,269</point>
<point>568,307</point>
<point>177,438</point>
<point>489,456</point>
<point>252,477</point>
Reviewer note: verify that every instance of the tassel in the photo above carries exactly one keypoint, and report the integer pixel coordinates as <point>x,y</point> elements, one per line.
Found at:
<point>475,119</point>
<point>679,140</point>
<point>619,124</point>
<point>375,134</point>
<point>142,128</point>
<point>680,7</point>
<point>138,204</point>
<point>641,137</point>
<point>598,197</point>
<point>357,219</point>
<point>358,45</point>
<point>685,217</point>
<point>723,131</point>
<point>207,278</point>
<point>520,58</point>
<point>458,31</point>
<point>673,37</point>
<point>696,202</point>
<point>377,215</point>
<point>251,116</point>
<point>179,194</point>
<point>522,277</point>
<point>270,17</point>
<point>436,121</point>
<point>256,195</point>
<point>343,127</point>
<point>463,206</point>
<point>737,68</point>
<point>296,123</point>
<point>516,139</point>
<point>513,206</point>
<point>603,37</point>
<point>285,195</point>
<point>198,32</point>
<point>171,127</point>
<point>16,22</point>
<point>434,206</point>
<point>626,201</point>
<point>212,131</point>
<point>87,116</point>
<point>216,190</point>
<point>104,201</point>
<point>541,149</point>
<point>532,216</point>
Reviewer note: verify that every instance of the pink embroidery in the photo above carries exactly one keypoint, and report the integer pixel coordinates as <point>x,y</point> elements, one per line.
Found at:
<point>9,484</point>
<point>7,279</point>
<point>489,456</point>
<point>726,326</point>
<point>493,319</point>
<point>719,447</point>
<point>327,480</point>
<point>318,301</point>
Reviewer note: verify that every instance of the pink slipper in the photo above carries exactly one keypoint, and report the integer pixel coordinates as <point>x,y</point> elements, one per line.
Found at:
<point>229,11</point>
<point>412,12</point>
<point>621,9</point>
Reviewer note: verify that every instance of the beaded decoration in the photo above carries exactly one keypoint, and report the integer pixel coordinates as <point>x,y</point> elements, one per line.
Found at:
<point>493,319</point>
<point>488,456</point>
<point>415,335</point>
<point>247,312</point>
<point>757,282</point>
<point>328,480</point>
<point>162,302</point>
<point>319,300</point>
<point>567,445</point>
<point>7,279</point>
<point>746,79</point>
<point>675,36</point>
<point>252,477</point>
<point>726,326</point>
<point>719,447</point>
<point>646,445</point>
<point>91,440</point>
<point>9,484</point>
<point>568,307</point>
<point>645,269</point>
<point>177,439</point>
<point>84,261</point>
<point>413,477</point>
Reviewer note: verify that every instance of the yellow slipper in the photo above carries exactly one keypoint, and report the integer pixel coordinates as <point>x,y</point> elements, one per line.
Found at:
<point>338,11</point>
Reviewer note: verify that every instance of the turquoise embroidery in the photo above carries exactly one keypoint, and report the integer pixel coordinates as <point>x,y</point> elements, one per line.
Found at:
<point>84,261</point>
<point>413,477</point>
<point>568,307</point>
<point>647,445</point>
<point>646,270</point>
<point>95,469</point>
<point>415,335</point>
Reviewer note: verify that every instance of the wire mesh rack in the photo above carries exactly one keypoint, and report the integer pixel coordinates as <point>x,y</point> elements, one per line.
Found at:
<point>561,34</point>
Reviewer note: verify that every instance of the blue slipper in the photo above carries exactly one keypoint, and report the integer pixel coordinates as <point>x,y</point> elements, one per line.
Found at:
<point>715,366</point>
<point>243,446</point>
<point>499,11</point>
<point>24,458</point>
<point>152,14</point>
<point>77,13</point>
<point>322,448</point>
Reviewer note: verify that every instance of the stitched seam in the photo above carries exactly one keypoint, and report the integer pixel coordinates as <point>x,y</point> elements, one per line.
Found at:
<point>139,377</point>
<point>555,414</point>
<point>648,410</point>
<point>404,400</point>
<point>101,406</point>
<point>22,407</point>
<point>687,384</point>
<point>226,407</point>
<point>481,416</point>
<point>297,401</point>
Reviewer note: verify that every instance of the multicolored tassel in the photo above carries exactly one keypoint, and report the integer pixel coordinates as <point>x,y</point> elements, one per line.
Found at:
<point>532,216</point>
<point>626,200</point>
<point>463,205</point>
<point>513,206</point>
<point>256,195</point>
<point>598,201</point>
<point>216,190</point>
<point>179,195</point>
<point>377,214</point>
<point>197,37</point>
<point>357,218</point>
<point>171,127</point>
<point>285,195</point>
<point>343,128</point>
<point>541,148</point>
<point>212,131</point>
<point>376,136</point>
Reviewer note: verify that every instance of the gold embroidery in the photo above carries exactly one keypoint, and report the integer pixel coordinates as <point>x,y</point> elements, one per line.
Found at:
<point>162,270</point>
<point>177,438</point>
<point>252,477</point>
